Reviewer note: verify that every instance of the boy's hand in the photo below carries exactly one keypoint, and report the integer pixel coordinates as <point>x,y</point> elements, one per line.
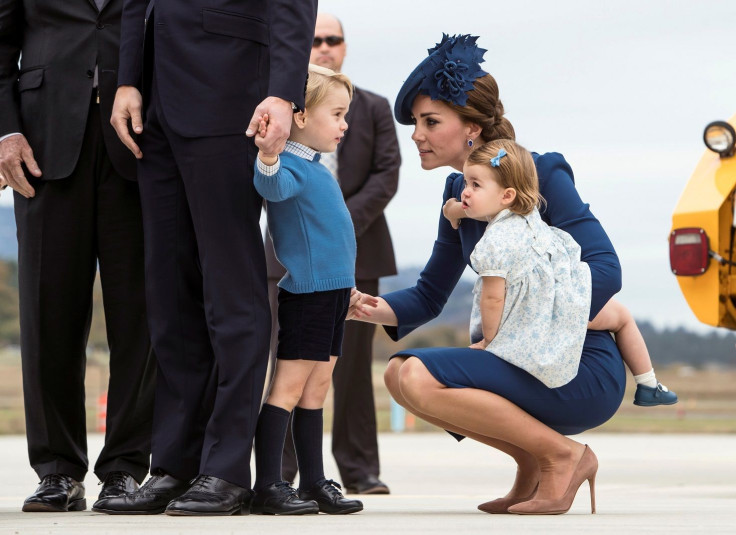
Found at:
<point>359,303</point>
<point>260,140</point>
<point>453,212</point>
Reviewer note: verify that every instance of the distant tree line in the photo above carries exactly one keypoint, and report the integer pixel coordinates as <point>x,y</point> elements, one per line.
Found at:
<point>666,346</point>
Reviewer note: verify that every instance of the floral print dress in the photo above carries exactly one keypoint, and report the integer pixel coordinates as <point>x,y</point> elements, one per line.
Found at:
<point>548,293</point>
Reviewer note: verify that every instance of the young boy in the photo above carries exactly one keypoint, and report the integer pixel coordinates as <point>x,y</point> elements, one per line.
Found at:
<point>314,240</point>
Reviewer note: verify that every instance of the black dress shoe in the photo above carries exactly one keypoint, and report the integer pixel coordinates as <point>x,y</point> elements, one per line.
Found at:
<point>370,485</point>
<point>211,496</point>
<point>329,498</point>
<point>151,499</point>
<point>116,483</point>
<point>55,494</point>
<point>281,499</point>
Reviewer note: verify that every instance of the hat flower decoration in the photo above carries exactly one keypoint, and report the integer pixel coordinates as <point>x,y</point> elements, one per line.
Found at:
<point>451,68</point>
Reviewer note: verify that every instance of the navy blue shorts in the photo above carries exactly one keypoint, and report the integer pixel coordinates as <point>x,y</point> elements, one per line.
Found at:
<point>311,326</point>
<point>587,401</point>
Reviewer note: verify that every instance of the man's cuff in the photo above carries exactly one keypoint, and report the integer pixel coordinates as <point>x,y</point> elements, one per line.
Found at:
<point>268,170</point>
<point>6,136</point>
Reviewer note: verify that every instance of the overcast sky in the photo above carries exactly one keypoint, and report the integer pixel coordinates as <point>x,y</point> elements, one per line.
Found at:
<point>622,88</point>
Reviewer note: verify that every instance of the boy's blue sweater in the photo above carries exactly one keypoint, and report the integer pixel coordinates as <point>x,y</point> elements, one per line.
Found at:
<point>312,231</point>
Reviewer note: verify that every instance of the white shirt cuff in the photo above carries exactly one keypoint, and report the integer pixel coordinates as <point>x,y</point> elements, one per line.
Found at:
<point>6,136</point>
<point>268,170</point>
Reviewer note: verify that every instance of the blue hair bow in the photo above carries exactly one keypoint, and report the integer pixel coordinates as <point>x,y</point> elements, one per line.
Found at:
<point>496,160</point>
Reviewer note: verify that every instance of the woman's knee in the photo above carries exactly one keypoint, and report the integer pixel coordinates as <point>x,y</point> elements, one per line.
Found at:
<point>391,374</point>
<point>416,383</point>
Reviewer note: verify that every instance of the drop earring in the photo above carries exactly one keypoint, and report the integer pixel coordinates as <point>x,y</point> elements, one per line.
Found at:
<point>470,143</point>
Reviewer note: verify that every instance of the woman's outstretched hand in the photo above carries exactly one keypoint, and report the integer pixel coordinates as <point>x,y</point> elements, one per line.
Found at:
<point>359,303</point>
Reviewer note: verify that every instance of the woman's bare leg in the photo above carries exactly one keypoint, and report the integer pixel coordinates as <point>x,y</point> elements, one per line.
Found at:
<point>527,469</point>
<point>490,415</point>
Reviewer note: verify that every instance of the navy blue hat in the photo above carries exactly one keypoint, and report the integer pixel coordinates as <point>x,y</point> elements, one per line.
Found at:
<point>447,73</point>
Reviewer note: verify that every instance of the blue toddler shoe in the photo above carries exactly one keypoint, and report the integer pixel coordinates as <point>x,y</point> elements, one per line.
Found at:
<point>646,396</point>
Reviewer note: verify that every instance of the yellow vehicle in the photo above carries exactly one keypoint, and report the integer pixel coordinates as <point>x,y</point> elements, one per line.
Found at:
<point>702,255</point>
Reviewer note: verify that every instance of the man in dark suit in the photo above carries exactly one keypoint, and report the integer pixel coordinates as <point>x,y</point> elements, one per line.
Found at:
<point>367,166</point>
<point>203,67</point>
<point>82,211</point>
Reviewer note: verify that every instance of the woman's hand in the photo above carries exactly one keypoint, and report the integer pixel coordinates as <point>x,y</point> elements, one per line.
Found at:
<point>359,303</point>
<point>453,212</point>
<point>482,345</point>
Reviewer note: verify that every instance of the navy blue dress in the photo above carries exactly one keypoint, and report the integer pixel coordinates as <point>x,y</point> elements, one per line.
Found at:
<point>595,394</point>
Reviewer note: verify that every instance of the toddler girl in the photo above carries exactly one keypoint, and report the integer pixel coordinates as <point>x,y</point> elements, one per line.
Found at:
<point>532,298</point>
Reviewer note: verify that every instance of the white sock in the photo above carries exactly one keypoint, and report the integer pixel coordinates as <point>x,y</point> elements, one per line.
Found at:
<point>647,379</point>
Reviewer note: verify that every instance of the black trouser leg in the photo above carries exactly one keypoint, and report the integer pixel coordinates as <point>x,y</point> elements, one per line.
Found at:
<point>132,365</point>
<point>175,310</point>
<point>207,299</point>
<point>354,439</point>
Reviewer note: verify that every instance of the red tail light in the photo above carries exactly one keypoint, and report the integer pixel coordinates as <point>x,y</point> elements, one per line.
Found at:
<point>689,251</point>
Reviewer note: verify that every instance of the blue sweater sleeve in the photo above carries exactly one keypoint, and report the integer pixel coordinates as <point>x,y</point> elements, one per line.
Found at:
<point>566,211</point>
<point>280,186</point>
<point>424,301</point>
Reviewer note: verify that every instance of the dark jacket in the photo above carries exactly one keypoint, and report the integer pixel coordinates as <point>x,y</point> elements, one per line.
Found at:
<point>48,99</point>
<point>254,45</point>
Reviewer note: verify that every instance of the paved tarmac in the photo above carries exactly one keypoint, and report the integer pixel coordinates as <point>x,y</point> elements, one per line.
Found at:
<point>646,484</point>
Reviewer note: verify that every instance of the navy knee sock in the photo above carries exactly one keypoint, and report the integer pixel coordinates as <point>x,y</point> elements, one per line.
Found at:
<point>269,444</point>
<point>307,430</point>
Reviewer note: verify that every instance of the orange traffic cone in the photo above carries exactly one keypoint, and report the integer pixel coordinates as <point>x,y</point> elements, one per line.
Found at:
<point>102,412</point>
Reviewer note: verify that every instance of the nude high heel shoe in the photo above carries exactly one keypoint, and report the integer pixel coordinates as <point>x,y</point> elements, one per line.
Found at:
<point>586,469</point>
<point>500,506</point>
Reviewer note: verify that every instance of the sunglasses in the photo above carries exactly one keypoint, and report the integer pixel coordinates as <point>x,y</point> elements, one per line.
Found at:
<point>331,40</point>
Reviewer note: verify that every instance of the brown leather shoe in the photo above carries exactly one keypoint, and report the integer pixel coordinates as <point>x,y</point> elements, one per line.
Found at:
<point>370,485</point>
<point>55,494</point>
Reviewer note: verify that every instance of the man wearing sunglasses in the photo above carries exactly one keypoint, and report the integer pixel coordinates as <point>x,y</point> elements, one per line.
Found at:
<point>366,165</point>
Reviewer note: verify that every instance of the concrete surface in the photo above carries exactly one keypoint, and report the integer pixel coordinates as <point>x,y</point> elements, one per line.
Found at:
<point>646,484</point>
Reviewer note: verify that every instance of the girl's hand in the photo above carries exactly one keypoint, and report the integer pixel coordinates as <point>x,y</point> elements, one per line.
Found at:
<point>453,212</point>
<point>482,345</point>
<point>359,303</point>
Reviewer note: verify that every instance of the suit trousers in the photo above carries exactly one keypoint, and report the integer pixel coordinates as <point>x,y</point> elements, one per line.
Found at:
<point>354,431</point>
<point>73,224</point>
<point>207,298</point>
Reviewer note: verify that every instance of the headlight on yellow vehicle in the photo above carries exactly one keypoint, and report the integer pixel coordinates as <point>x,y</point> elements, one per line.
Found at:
<point>720,137</point>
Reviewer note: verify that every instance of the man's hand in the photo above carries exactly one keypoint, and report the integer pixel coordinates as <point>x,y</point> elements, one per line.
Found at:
<point>127,105</point>
<point>279,115</point>
<point>358,303</point>
<point>15,150</point>
<point>453,212</point>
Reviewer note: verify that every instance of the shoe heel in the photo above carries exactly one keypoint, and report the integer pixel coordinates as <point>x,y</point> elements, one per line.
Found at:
<point>78,505</point>
<point>591,484</point>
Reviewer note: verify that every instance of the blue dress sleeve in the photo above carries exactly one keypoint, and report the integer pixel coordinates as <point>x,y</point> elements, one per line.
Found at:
<point>565,210</point>
<point>423,302</point>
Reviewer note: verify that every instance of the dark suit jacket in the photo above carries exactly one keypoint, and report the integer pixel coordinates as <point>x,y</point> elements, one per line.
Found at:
<point>48,100</point>
<point>368,163</point>
<point>215,60</point>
